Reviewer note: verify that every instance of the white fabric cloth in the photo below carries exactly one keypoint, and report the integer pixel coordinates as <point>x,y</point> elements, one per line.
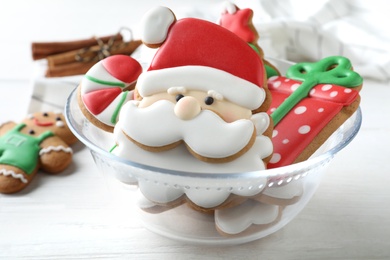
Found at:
<point>303,30</point>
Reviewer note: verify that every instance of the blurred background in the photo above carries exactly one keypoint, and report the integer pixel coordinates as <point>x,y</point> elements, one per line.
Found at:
<point>296,30</point>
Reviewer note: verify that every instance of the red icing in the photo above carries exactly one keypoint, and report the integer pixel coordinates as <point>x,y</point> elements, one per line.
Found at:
<point>190,40</point>
<point>39,123</point>
<point>238,23</point>
<point>98,100</point>
<point>123,67</point>
<point>311,114</point>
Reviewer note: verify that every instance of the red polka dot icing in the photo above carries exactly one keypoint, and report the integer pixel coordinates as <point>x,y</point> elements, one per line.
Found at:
<point>304,122</point>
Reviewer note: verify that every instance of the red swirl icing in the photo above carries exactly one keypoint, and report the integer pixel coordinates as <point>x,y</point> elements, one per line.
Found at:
<point>123,67</point>
<point>97,101</point>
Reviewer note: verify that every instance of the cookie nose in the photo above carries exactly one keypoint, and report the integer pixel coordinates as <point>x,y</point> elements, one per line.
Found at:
<point>187,108</point>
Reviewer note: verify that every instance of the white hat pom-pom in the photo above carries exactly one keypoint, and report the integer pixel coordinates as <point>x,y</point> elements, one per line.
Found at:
<point>155,25</point>
<point>229,8</point>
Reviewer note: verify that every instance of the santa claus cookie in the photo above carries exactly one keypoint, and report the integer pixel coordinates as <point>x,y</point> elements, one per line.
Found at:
<point>209,96</point>
<point>199,107</point>
<point>41,141</point>
<point>309,104</point>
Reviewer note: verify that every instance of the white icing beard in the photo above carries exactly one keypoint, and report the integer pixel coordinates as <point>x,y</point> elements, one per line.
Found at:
<point>180,159</point>
<point>207,134</point>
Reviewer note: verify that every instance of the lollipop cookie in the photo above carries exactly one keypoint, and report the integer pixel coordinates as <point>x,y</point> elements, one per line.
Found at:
<point>106,87</point>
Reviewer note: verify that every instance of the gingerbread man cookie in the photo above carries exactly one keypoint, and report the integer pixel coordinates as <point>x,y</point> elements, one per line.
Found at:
<point>41,141</point>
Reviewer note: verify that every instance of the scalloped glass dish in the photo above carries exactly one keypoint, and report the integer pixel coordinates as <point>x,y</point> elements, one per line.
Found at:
<point>287,189</point>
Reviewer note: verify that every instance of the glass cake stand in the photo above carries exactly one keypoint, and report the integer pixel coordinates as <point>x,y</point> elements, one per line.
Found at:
<point>288,188</point>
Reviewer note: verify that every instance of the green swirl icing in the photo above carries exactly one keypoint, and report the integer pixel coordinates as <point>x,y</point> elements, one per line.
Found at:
<point>335,70</point>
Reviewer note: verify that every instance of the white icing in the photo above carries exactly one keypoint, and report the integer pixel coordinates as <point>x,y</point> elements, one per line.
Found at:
<point>14,175</point>
<point>207,134</point>
<point>180,159</point>
<point>261,122</point>
<point>215,94</point>
<point>176,90</point>
<point>326,87</point>
<point>333,94</point>
<point>240,91</point>
<point>155,25</point>
<point>295,86</point>
<point>237,219</point>
<point>99,72</point>
<point>229,8</point>
<point>300,110</point>
<point>59,148</point>
<point>60,124</point>
<point>304,129</point>
<point>275,158</point>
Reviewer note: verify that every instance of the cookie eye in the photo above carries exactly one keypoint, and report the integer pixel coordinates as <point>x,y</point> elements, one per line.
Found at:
<point>45,114</point>
<point>179,96</point>
<point>31,132</point>
<point>209,100</point>
<point>58,119</point>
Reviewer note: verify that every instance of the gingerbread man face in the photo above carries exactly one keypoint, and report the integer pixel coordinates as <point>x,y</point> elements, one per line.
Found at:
<point>49,121</point>
<point>41,141</point>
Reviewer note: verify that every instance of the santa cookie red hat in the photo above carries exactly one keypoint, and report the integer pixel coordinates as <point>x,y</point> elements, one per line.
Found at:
<point>200,55</point>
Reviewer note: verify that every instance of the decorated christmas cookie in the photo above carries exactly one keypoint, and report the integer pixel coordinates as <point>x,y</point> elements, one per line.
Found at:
<point>106,87</point>
<point>197,93</point>
<point>200,106</point>
<point>41,141</point>
<point>309,104</point>
<point>239,21</point>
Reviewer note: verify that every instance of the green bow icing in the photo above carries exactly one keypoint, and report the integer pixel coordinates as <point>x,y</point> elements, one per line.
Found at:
<point>335,70</point>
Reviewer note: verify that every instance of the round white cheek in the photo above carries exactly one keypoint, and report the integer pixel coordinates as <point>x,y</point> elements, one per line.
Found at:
<point>60,124</point>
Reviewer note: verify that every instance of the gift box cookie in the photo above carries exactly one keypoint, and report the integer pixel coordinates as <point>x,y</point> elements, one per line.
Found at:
<point>309,104</point>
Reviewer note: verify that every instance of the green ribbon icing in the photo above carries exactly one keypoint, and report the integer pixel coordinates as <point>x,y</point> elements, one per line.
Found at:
<point>104,82</point>
<point>335,70</point>
<point>118,107</point>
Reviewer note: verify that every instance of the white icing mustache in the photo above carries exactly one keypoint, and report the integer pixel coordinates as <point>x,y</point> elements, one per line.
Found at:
<point>207,134</point>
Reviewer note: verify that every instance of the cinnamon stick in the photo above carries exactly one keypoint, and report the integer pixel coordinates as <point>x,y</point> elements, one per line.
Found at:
<point>118,47</point>
<point>65,64</point>
<point>41,50</point>
<point>69,69</point>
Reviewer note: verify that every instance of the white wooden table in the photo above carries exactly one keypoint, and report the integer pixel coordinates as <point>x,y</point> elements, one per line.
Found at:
<point>71,216</point>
